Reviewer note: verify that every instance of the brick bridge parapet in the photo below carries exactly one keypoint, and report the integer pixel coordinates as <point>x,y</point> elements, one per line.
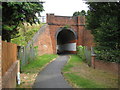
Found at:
<point>77,24</point>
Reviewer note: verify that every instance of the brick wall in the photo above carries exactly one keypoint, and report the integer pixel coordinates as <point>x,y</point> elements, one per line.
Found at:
<point>107,66</point>
<point>44,42</point>
<point>61,20</point>
<point>88,38</point>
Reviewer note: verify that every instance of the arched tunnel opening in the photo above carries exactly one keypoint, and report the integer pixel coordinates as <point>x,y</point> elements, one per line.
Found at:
<point>66,42</point>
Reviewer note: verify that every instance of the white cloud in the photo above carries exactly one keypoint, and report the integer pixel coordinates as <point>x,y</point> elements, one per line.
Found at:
<point>63,7</point>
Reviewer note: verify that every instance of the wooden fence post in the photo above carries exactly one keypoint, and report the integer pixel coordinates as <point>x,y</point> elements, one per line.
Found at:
<point>0,64</point>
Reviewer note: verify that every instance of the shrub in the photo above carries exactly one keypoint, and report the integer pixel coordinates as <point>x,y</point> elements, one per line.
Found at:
<point>109,55</point>
<point>81,52</point>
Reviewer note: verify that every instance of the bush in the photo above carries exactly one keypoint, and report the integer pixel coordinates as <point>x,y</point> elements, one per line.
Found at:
<point>109,55</point>
<point>81,52</point>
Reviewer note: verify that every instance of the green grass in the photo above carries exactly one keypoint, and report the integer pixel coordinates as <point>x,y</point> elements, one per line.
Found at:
<point>38,63</point>
<point>31,70</point>
<point>72,73</point>
<point>71,63</point>
<point>81,82</point>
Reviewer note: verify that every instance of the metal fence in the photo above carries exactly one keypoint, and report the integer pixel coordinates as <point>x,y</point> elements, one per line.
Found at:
<point>85,53</point>
<point>88,55</point>
<point>26,54</point>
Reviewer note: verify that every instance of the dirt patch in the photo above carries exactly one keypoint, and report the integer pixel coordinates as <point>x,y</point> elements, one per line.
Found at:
<point>27,80</point>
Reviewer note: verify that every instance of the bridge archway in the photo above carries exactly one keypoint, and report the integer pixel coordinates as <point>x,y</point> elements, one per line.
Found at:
<point>66,41</point>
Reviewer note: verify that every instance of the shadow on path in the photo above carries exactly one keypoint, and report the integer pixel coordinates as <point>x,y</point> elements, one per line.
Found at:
<point>51,77</point>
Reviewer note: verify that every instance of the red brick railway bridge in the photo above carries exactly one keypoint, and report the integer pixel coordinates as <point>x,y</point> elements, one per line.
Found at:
<point>62,34</point>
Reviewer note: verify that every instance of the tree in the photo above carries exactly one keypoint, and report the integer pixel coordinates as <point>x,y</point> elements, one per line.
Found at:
<point>82,13</point>
<point>14,13</point>
<point>26,33</point>
<point>102,20</point>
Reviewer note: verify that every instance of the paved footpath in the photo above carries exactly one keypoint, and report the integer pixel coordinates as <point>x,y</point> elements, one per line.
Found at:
<point>51,77</point>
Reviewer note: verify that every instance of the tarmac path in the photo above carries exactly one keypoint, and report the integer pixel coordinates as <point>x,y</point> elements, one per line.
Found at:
<point>51,77</point>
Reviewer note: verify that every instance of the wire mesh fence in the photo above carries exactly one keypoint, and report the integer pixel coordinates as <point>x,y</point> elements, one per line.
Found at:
<point>88,55</point>
<point>85,53</point>
<point>27,53</point>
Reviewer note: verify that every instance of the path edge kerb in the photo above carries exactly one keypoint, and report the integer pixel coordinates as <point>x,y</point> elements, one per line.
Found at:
<point>63,73</point>
<point>68,59</point>
<point>66,63</point>
<point>47,64</point>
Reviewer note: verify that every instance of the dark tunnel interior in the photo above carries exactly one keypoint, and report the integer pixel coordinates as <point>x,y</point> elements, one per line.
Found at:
<point>64,38</point>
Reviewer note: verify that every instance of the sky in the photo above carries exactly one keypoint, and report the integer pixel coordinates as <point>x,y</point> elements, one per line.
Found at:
<point>63,7</point>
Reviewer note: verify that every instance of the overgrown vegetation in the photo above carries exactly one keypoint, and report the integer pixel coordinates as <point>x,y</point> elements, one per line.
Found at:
<point>30,71</point>
<point>79,75</point>
<point>25,33</point>
<point>66,26</point>
<point>102,20</point>
<point>81,52</point>
<point>81,13</point>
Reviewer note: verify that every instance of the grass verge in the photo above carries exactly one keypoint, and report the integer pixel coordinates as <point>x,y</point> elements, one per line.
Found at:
<point>30,71</point>
<point>80,75</point>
